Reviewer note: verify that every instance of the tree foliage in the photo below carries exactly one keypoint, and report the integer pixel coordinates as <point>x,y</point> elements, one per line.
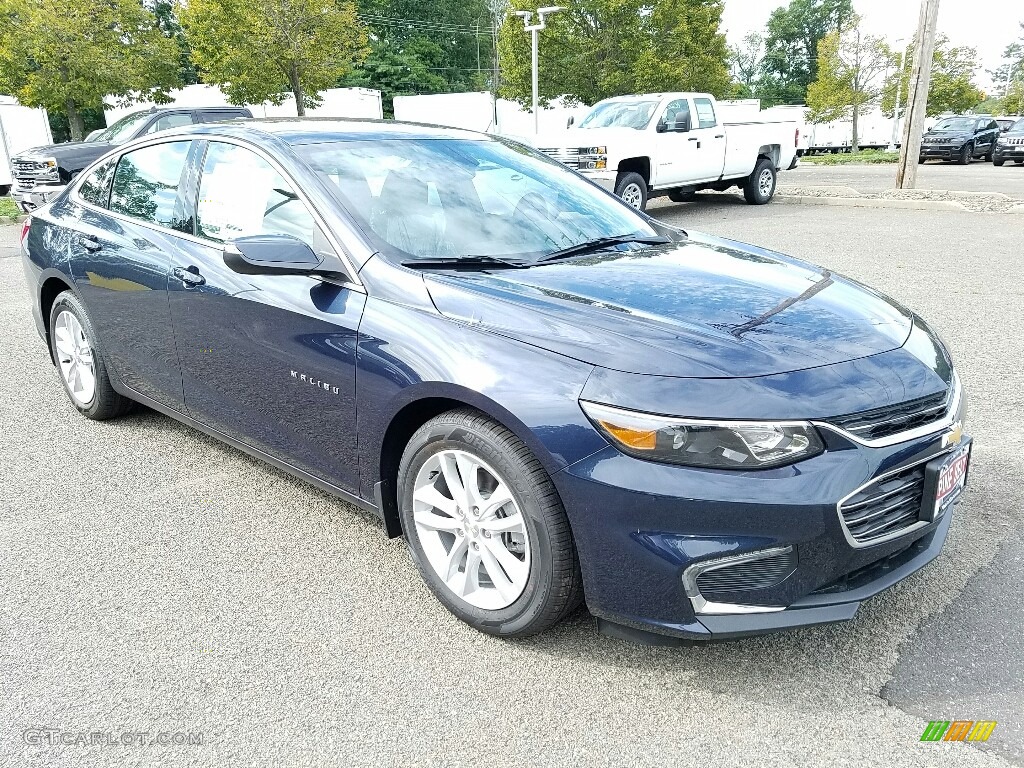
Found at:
<point>791,47</point>
<point>746,61</point>
<point>951,88</point>
<point>68,55</point>
<point>261,50</point>
<point>851,70</point>
<point>594,49</point>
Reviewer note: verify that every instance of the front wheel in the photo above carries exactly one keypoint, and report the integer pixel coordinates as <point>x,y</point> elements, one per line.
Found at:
<point>485,526</point>
<point>760,185</point>
<point>632,188</point>
<point>80,361</point>
<point>966,154</point>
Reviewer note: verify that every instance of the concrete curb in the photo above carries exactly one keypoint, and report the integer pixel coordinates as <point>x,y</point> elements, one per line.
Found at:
<point>877,202</point>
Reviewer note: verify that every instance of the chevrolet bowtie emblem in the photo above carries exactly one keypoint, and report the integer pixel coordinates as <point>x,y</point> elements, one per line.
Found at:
<point>953,436</point>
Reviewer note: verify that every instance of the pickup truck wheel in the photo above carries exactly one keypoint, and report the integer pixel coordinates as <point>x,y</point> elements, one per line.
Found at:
<point>966,154</point>
<point>5,190</point>
<point>80,363</point>
<point>760,185</point>
<point>632,188</point>
<point>485,526</point>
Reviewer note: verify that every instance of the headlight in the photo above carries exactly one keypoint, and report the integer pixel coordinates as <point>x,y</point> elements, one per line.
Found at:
<point>593,158</point>
<point>704,442</point>
<point>49,168</point>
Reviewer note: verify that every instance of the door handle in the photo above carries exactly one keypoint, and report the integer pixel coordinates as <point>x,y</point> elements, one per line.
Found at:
<point>719,135</point>
<point>693,138</point>
<point>189,275</point>
<point>90,243</point>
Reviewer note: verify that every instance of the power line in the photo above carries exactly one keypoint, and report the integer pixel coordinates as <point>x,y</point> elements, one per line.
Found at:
<point>424,25</point>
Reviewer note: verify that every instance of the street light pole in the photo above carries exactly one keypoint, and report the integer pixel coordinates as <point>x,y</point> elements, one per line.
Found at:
<point>896,112</point>
<point>533,29</point>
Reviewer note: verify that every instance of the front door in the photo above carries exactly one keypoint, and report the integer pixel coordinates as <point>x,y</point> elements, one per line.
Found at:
<point>676,148</point>
<point>267,359</point>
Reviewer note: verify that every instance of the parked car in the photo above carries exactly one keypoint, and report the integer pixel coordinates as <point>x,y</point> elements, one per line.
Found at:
<point>960,138</point>
<point>674,144</point>
<point>1005,123</point>
<point>42,172</point>
<point>1010,146</point>
<point>550,395</point>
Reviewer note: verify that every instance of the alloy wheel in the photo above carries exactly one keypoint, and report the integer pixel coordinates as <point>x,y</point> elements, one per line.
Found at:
<point>632,196</point>
<point>764,182</point>
<point>75,358</point>
<point>471,529</point>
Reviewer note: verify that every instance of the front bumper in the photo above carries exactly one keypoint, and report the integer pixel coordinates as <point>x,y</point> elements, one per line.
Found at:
<point>639,527</point>
<point>1013,152</point>
<point>941,151</point>
<point>29,199</point>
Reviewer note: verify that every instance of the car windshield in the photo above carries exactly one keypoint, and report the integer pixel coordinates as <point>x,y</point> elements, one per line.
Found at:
<point>1018,126</point>
<point>123,129</point>
<point>620,114</point>
<point>466,199</point>
<point>956,124</point>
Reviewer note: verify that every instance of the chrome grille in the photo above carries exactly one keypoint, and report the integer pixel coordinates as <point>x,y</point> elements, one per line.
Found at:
<point>1012,140</point>
<point>26,172</point>
<point>885,507</point>
<point>893,419</point>
<point>568,156</point>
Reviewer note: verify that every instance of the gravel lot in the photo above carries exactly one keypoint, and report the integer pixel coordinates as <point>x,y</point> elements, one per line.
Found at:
<point>155,580</point>
<point>976,177</point>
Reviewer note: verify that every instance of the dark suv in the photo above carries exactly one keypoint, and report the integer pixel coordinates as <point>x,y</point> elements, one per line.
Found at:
<point>960,138</point>
<point>41,172</point>
<point>1010,145</point>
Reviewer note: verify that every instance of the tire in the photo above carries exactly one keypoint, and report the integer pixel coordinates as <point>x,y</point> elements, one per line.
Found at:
<point>999,162</point>
<point>682,195</point>
<point>966,154</point>
<point>5,190</point>
<point>632,188</point>
<point>1018,162</point>
<point>78,357</point>
<point>759,187</point>
<point>921,161</point>
<point>988,155</point>
<point>501,598</point>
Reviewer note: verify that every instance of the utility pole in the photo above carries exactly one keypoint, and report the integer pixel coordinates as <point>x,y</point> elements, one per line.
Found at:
<point>917,95</point>
<point>533,29</point>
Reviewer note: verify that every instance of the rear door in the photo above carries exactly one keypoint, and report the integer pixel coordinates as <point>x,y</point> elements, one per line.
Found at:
<point>267,359</point>
<point>709,135</point>
<point>131,212</point>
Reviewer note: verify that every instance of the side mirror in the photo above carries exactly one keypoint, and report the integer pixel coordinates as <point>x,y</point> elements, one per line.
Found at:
<point>571,121</point>
<point>682,124</point>
<point>260,254</point>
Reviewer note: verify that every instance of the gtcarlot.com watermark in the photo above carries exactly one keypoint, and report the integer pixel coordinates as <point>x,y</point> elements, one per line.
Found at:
<point>60,737</point>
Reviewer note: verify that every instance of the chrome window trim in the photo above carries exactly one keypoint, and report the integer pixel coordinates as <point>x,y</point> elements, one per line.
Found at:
<point>952,415</point>
<point>703,607</point>
<point>877,479</point>
<point>353,282</point>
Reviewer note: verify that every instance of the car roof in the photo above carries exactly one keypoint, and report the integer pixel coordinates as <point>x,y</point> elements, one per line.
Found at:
<point>318,130</point>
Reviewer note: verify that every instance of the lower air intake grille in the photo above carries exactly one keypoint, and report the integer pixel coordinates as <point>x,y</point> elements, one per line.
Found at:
<point>885,507</point>
<point>756,574</point>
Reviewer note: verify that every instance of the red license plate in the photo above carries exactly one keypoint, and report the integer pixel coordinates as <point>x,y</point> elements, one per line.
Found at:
<point>952,477</point>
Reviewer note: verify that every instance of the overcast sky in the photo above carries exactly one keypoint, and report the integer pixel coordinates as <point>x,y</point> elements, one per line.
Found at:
<point>988,25</point>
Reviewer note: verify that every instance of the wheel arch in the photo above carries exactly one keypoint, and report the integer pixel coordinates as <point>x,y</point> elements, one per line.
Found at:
<point>415,409</point>
<point>641,165</point>
<point>770,152</point>
<point>53,285</point>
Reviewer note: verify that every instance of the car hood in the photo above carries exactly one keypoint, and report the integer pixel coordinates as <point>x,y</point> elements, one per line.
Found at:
<point>72,149</point>
<point>950,134</point>
<point>584,137</point>
<point>703,307</point>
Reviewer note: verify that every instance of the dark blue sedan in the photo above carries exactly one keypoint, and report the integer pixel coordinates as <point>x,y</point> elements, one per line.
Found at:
<point>551,396</point>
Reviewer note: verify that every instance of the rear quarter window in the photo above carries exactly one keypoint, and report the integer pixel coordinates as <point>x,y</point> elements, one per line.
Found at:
<point>95,188</point>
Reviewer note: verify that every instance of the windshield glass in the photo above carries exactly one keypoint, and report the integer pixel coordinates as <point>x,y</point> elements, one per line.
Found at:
<point>955,124</point>
<point>123,129</point>
<point>620,114</point>
<point>1018,126</point>
<point>454,198</point>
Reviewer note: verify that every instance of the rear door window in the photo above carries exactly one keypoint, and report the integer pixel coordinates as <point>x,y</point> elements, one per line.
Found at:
<point>147,182</point>
<point>218,115</point>
<point>705,113</point>
<point>175,120</point>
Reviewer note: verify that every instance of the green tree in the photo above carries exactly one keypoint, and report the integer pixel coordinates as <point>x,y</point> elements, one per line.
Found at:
<point>791,47</point>
<point>397,69</point>
<point>261,50</point>
<point>1013,102</point>
<point>851,69</point>
<point>68,55</point>
<point>746,61</point>
<point>1012,67</point>
<point>168,22</point>
<point>594,49</point>
<point>951,88</point>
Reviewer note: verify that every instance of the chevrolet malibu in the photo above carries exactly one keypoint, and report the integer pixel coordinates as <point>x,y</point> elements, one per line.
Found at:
<point>552,397</point>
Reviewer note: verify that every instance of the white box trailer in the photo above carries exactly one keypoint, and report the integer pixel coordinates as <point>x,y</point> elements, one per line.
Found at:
<point>21,128</point>
<point>478,111</point>
<point>337,102</point>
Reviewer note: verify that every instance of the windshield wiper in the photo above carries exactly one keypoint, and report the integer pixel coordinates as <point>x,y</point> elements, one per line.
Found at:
<point>465,262</point>
<point>602,242</point>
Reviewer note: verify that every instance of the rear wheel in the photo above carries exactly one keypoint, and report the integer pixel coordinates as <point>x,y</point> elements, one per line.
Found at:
<point>760,185</point>
<point>81,363</point>
<point>485,526</point>
<point>632,188</point>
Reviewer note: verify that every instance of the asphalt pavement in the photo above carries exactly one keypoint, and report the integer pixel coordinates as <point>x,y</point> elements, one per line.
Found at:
<point>977,177</point>
<point>152,579</point>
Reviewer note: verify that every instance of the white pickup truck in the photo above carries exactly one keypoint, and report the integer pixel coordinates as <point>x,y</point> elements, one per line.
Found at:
<point>674,144</point>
